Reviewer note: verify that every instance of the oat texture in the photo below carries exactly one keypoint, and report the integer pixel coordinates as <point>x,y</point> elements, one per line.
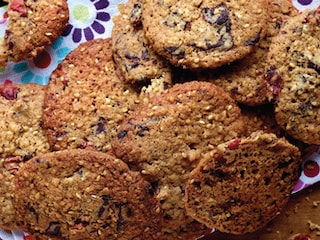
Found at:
<point>133,55</point>
<point>165,138</point>
<point>203,34</point>
<point>244,79</point>
<point>243,184</point>
<point>21,138</point>
<point>32,26</point>
<point>294,64</point>
<point>84,194</point>
<point>86,100</point>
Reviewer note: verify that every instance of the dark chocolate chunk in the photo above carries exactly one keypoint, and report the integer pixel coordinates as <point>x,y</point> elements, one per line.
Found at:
<point>54,229</point>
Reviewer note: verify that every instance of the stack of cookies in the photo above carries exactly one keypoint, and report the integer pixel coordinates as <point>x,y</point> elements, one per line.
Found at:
<point>192,115</point>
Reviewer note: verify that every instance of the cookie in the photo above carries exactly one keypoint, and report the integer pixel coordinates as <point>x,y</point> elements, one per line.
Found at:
<point>133,55</point>
<point>84,194</point>
<point>22,137</point>
<point>294,71</point>
<point>86,101</point>
<point>165,138</point>
<point>243,184</point>
<point>32,26</point>
<point>203,34</point>
<point>244,79</point>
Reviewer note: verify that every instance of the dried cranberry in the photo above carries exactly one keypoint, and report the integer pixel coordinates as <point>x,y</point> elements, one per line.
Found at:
<point>9,91</point>
<point>18,6</point>
<point>274,80</point>
<point>28,237</point>
<point>234,144</point>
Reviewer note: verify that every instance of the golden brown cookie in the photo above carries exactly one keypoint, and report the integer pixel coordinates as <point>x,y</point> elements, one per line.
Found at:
<point>32,26</point>
<point>244,79</point>
<point>86,101</point>
<point>165,139</point>
<point>22,137</point>
<point>243,184</point>
<point>84,194</point>
<point>133,55</point>
<point>294,68</point>
<point>203,34</point>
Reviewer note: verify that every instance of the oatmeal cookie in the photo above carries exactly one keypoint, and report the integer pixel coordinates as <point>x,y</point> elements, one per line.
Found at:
<point>133,55</point>
<point>243,184</point>
<point>294,66</point>
<point>244,79</point>
<point>203,34</point>
<point>84,194</point>
<point>21,138</point>
<point>165,138</point>
<point>32,26</point>
<point>86,101</point>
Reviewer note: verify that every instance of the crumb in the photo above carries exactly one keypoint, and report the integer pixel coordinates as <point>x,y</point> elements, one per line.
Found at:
<point>313,226</point>
<point>296,207</point>
<point>315,203</point>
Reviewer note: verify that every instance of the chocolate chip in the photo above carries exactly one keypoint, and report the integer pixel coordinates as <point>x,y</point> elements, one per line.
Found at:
<point>253,41</point>
<point>284,164</point>
<point>101,211</point>
<point>129,56</point>
<point>54,229</point>
<point>136,15</point>
<point>314,66</point>
<point>60,135</point>
<point>142,130</point>
<point>175,51</point>
<point>33,212</point>
<point>27,157</point>
<point>101,125</point>
<point>121,222</point>
<point>122,134</point>
<point>218,15</point>
<point>218,44</point>
<point>106,199</point>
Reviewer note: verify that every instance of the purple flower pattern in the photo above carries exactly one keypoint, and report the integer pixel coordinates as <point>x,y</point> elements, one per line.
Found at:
<point>87,19</point>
